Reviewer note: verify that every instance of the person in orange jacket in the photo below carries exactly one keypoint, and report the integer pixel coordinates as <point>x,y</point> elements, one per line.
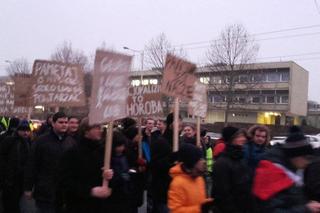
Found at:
<point>187,191</point>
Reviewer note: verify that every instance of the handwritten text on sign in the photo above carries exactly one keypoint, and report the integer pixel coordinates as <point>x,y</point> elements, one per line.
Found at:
<point>7,102</point>
<point>144,100</point>
<point>110,87</point>
<point>198,105</point>
<point>178,79</point>
<point>57,84</point>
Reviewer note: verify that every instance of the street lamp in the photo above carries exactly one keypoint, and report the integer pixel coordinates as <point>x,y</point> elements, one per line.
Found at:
<point>141,52</point>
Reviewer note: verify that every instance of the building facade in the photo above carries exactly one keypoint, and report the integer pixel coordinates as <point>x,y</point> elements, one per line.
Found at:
<point>266,93</point>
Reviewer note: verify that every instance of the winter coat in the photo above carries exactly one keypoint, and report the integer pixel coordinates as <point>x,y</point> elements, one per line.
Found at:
<point>312,180</point>
<point>231,179</point>
<point>80,170</point>
<point>186,194</point>
<point>276,186</point>
<point>14,152</point>
<point>42,166</point>
<point>161,162</point>
<point>253,153</point>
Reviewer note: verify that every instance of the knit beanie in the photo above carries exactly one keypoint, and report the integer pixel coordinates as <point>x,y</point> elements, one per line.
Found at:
<point>296,144</point>
<point>130,132</point>
<point>23,126</point>
<point>228,133</point>
<point>189,155</point>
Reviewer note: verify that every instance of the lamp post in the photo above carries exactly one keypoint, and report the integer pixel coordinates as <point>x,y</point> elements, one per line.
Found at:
<point>141,52</point>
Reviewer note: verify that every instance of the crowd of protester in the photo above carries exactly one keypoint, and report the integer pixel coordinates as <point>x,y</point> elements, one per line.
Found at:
<point>60,169</point>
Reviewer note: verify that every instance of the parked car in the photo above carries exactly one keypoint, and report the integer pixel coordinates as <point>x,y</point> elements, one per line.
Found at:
<point>277,140</point>
<point>314,140</point>
<point>213,136</point>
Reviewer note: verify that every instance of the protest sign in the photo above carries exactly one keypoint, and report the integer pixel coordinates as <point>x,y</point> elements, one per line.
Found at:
<point>57,84</point>
<point>144,100</point>
<point>22,96</point>
<point>7,106</point>
<point>198,105</point>
<point>178,78</point>
<point>110,87</point>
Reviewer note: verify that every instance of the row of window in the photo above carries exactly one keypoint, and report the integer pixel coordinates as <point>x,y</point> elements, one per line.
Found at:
<point>138,82</point>
<point>251,78</point>
<point>280,99</point>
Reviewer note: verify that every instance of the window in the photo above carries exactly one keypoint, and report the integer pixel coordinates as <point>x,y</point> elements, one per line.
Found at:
<point>284,99</point>
<point>216,80</point>
<point>259,78</point>
<point>273,77</point>
<point>285,76</point>
<point>256,100</point>
<point>135,82</point>
<point>153,81</point>
<point>270,99</point>
<point>218,99</point>
<point>243,79</point>
<point>205,80</point>
<point>145,82</point>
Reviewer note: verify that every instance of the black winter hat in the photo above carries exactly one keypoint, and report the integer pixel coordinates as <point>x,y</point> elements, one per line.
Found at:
<point>23,126</point>
<point>228,133</point>
<point>189,155</point>
<point>297,144</point>
<point>130,132</point>
<point>118,139</point>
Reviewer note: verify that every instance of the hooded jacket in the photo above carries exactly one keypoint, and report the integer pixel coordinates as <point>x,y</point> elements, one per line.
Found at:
<point>276,186</point>
<point>186,194</point>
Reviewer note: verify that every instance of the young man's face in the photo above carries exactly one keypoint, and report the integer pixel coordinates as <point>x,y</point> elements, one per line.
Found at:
<point>73,125</point>
<point>260,137</point>
<point>150,125</point>
<point>199,169</point>
<point>94,133</point>
<point>61,125</point>
<point>24,133</point>
<point>188,132</point>
<point>240,140</point>
<point>160,125</point>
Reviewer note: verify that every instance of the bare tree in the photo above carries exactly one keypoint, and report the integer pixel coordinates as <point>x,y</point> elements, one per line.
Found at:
<point>157,49</point>
<point>18,66</point>
<point>229,57</point>
<point>67,54</point>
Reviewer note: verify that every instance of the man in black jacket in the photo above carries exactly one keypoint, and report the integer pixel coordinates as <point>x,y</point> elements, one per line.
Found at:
<point>13,156</point>
<point>41,169</point>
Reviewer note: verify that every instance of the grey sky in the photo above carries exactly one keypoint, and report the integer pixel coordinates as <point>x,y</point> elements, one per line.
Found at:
<point>34,28</point>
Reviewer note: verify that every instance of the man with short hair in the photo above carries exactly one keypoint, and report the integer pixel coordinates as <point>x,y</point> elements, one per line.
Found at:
<point>43,162</point>
<point>256,147</point>
<point>73,126</point>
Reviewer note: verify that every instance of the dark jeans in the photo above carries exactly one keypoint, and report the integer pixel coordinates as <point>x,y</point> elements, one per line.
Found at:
<point>44,207</point>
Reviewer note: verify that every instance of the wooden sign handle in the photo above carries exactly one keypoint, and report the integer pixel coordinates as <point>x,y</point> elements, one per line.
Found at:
<point>108,148</point>
<point>140,138</point>
<point>198,132</point>
<point>176,125</point>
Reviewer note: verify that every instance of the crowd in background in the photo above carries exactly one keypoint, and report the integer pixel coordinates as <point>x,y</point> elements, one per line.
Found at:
<point>60,169</point>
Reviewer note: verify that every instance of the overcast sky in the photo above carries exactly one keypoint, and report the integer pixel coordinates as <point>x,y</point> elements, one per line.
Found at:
<point>33,29</point>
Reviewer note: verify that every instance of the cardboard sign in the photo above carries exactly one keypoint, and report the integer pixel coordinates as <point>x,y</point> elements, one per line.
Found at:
<point>144,100</point>
<point>110,87</point>
<point>198,106</point>
<point>178,79</point>
<point>7,102</point>
<point>22,95</point>
<point>57,84</point>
